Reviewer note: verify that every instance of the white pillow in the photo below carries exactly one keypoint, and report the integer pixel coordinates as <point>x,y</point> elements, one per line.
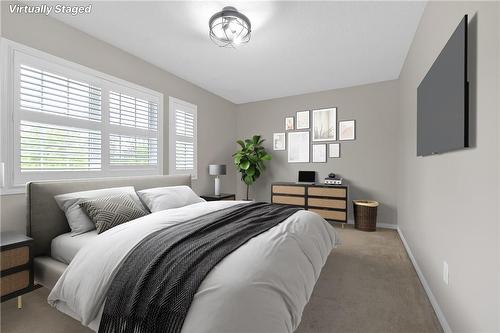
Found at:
<point>78,221</point>
<point>161,198</point>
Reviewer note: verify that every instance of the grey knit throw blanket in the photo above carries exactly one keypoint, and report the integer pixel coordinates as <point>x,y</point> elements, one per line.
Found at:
<point>154,288</point>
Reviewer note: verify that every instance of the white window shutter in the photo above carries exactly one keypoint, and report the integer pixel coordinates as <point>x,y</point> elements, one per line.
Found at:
<point>183,138</point>
<point>43,91</point>
<point>125,110</point>
<point>134,130</point>
<point>132,150</point>
<point>57,121</point>
<point>46,147</point>
<point>69,121</point>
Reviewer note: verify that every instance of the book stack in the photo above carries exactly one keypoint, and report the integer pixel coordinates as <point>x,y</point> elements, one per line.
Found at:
<point>333,181</point>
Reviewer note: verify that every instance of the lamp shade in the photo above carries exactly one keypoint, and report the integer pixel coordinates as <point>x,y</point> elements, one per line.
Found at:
<point>216,169</point>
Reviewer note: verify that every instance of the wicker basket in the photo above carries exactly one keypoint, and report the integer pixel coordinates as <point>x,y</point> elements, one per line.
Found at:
<point>365,214</point>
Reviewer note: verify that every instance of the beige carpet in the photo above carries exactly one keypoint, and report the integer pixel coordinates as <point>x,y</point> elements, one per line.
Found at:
<point>367,285</point>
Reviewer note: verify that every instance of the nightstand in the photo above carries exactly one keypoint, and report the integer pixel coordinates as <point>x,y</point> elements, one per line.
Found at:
<point>16,266</point>
<point>222,196</point>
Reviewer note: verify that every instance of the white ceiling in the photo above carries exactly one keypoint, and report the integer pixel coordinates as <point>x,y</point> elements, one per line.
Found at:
<point>296,47</point>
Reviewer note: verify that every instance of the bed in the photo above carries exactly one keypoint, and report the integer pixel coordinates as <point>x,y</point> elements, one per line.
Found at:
<point>263,286</point>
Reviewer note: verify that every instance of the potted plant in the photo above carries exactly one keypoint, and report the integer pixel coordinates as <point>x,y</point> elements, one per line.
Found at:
<point>250,159</point>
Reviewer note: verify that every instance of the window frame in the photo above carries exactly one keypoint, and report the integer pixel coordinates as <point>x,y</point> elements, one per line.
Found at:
<point>172,137</point>
<point>13,181</point>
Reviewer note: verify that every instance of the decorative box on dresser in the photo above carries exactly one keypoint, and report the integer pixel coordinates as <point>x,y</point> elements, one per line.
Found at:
<point>329,201</point>
<point>16,266</point>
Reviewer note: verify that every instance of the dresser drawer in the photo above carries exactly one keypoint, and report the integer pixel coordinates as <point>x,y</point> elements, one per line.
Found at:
<point>327,203</point>
<point>283,189</point>
<point>15,257</point>
<point>327,192</point>
<point>330,214</point>
<point>282,199</point>
<point>14,282</point>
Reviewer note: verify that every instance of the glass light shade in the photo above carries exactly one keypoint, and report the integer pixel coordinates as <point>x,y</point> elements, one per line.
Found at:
<point>229,28</point>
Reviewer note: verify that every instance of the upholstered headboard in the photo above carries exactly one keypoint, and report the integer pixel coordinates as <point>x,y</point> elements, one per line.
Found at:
<point>46,221</point>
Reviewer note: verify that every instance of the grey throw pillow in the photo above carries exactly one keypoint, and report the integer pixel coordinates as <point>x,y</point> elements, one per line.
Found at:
<point>108,212</point>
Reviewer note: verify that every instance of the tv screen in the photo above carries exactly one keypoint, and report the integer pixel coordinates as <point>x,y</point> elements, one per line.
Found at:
<point>442,99</point>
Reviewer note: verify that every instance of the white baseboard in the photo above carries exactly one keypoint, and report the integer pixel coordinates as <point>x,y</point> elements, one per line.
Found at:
<point>427,288</point>
<point>380,225</point>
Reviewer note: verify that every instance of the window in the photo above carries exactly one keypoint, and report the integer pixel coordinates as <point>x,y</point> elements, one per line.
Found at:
<point>62,120</point>
<point>183,137</point>
<point>46,147</point>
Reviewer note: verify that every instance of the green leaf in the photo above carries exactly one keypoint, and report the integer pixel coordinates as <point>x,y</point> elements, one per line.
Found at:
<point>241,143</point>
<point>256,139</point>
<point>257,174</point>
<point>267,157</point>
<point>250,171</point>
<point>248,180</point>
<point>237,159</point>
<point>244,165</point>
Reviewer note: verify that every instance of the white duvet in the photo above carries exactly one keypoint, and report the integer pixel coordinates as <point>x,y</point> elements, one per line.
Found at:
<point>261,287</point>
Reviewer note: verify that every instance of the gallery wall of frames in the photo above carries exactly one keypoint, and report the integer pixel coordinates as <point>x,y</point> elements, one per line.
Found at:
<point>317,130</point>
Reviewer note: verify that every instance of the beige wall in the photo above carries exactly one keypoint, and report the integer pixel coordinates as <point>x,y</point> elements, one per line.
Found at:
<point>216,116</point>
<point>368,164</point>
<point>448,203</point>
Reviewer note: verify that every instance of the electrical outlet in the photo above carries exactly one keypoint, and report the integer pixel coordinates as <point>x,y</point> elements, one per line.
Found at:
<point>445,272</point>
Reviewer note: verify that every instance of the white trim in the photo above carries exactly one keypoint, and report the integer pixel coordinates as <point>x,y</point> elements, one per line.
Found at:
<point>14,182</point>
<point>6,144</point>
<point>387,226</point>
<point>380,225</point>
<point>439,313</point>
<point>172,136</point>
<point>13,190</point>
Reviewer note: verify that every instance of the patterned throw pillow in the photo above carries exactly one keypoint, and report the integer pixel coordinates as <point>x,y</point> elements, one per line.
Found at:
<point>108,212</point>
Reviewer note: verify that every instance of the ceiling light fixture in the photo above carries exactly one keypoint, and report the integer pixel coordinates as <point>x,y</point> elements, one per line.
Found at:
<point>229,28</point>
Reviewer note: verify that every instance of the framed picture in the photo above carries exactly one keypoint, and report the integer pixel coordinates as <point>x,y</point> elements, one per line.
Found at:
<point>325,124</point>
<point>334,150</point>
<point>288,123</point>
<point>298,147</point>
<point>319,153</point>
<point>302,119</point>
<point>279,141</point>
<point>347,130</point>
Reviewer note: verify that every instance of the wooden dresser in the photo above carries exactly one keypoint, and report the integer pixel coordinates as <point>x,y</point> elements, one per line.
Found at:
<point>329,201</point>
<point>16,266</point>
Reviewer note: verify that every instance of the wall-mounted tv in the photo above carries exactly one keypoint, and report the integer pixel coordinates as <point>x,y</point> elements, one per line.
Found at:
<point>443,99</point>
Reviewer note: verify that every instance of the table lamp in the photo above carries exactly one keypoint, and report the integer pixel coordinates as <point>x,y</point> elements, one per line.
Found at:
<point>217,170</point>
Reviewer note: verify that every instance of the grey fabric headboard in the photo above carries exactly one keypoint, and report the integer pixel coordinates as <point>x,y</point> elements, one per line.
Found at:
<point>46,221</point>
